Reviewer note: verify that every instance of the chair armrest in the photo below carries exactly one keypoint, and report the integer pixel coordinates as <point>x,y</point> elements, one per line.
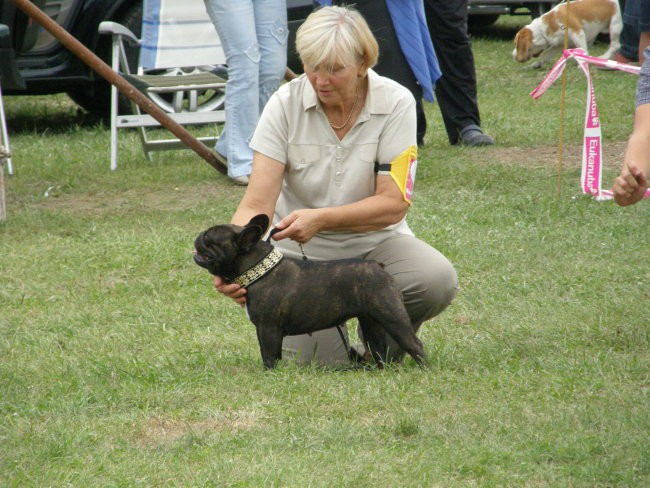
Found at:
<point>115,29</point>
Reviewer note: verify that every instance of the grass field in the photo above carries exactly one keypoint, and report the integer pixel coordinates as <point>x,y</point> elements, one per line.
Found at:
<point>121,366</point>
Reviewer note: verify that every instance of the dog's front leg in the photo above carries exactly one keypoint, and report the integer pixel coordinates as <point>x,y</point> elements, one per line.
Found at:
<point>579,40</point>
<point>547,56</point>
<point>270,339</point>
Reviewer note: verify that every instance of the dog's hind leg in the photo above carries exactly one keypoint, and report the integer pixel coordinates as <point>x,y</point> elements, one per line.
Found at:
<point>399,329</point>
<point>374,339</point>
<point>615,28</point>
<point>270,339</point>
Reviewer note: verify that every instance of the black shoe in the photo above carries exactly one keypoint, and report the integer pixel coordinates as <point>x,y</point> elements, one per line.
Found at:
<point>473,136</point>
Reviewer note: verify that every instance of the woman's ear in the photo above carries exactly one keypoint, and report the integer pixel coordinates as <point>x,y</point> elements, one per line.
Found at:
<point>362,71</point>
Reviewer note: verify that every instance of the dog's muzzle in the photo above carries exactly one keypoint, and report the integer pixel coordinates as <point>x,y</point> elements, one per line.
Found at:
<point>200,259</point>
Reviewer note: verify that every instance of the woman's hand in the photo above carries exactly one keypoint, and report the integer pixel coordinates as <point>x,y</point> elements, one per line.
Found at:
<point>231,290</point>
<point>300,225</point>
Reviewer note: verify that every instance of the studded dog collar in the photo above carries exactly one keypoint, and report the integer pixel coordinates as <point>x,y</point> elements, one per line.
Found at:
<point>260,269</point>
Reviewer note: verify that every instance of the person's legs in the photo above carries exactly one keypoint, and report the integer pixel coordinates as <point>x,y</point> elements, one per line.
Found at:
<point>272,34</point>
<point>637,14</point>
<point>456,89</point>
<point>235,24</point>
<point>324,347</point>
<point>629,44</point>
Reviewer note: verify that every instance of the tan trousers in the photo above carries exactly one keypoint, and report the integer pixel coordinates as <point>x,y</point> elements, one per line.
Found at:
<point>428,283</point>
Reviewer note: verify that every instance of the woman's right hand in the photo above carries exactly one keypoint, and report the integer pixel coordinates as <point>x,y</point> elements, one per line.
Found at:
<point>630,186</point>
<point>231,290</point>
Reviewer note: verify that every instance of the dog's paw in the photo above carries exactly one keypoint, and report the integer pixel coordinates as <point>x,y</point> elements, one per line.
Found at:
<point>537,65</point>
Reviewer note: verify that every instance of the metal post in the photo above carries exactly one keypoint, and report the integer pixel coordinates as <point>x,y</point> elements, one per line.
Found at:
<point>3,156</point>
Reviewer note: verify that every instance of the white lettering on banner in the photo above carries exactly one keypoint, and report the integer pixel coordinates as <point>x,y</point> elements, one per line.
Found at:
<point>593,108</point>
<point>592,155</point>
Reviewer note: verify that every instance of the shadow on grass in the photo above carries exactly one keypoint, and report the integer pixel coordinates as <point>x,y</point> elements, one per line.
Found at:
<point>53,114</point>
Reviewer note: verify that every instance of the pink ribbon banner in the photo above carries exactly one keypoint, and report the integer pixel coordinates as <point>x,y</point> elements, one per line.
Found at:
<point>592,149</point>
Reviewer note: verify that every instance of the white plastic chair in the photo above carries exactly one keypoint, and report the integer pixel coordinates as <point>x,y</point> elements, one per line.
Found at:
<point>180,68</point>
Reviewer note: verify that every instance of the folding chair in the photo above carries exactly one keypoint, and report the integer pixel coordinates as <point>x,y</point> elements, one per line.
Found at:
<point>9,77</point>
<point>180,67</point>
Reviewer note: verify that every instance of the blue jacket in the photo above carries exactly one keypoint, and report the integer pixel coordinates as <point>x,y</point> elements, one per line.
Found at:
<point>410,26</point>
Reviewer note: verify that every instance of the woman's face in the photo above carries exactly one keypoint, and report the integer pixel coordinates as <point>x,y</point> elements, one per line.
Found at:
<point>334,85</point>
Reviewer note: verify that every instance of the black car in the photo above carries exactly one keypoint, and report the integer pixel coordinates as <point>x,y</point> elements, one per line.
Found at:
<point>46,67</point>
<point>483,13</point>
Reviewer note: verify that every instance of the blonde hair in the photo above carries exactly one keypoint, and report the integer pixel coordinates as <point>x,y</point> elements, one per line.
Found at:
<point>333,36</point>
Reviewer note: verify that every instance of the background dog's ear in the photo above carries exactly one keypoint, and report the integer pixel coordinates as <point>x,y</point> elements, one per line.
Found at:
<point>261,220</point>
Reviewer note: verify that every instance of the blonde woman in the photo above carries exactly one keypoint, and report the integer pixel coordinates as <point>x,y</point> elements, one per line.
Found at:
<point>334,167</point>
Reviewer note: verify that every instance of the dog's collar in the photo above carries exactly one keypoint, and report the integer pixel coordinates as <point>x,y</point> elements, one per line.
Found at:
<point>260,269</point>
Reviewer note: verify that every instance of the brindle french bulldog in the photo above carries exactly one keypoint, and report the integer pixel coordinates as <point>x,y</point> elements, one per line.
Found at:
<point>288,296</point>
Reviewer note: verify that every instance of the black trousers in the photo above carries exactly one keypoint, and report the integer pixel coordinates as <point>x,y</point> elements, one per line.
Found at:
<point>392,63</point>
<point>456,90</point>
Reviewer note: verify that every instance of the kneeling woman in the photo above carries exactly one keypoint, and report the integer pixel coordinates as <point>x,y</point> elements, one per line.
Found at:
<point>334,166</point>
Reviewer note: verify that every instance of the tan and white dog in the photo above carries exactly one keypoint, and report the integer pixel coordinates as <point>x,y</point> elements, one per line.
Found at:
<point>585,19</point>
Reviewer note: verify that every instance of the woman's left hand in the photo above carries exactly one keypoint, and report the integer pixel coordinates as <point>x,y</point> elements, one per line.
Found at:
<point>300,225</point>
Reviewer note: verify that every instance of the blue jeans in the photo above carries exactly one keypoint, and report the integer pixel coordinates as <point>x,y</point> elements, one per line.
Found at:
<point>254,36</point>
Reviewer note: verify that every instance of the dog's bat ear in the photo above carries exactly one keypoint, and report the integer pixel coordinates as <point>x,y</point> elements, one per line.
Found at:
<point>248,237</point>
<point>261,220</point>
<point>253,232</point>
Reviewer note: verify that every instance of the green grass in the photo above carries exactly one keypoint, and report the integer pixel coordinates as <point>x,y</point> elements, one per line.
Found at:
<point>121,366</point>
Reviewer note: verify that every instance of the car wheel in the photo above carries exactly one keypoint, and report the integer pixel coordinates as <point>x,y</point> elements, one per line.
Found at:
<point>96,99</point>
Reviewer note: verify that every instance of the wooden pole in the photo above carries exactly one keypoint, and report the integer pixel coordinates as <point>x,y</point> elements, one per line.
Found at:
<point>126,88</point>
<point>560,156</point>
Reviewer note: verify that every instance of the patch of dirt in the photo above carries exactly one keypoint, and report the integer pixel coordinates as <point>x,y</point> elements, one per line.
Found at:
<point>171,199</point>
<point>542,156</point>
<point>189,196</point>
<point>158,431</point>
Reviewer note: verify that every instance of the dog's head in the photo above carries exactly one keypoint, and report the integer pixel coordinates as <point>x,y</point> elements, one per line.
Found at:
<point>525,47</point>
<point>220,248</point>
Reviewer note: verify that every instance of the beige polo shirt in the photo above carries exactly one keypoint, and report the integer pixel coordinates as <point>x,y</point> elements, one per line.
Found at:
<point>323,171</point>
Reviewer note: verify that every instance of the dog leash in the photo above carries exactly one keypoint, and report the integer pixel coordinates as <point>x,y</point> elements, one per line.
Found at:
<point>348,349</point>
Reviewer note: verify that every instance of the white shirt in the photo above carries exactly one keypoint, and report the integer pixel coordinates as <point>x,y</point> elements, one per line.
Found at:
<point>323,171</point>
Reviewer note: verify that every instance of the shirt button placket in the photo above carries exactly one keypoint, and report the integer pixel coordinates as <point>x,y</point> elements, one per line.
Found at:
<point>339,165</point>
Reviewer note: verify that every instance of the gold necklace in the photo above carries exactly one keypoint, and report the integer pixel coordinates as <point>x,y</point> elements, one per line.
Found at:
<point>339,127</point>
